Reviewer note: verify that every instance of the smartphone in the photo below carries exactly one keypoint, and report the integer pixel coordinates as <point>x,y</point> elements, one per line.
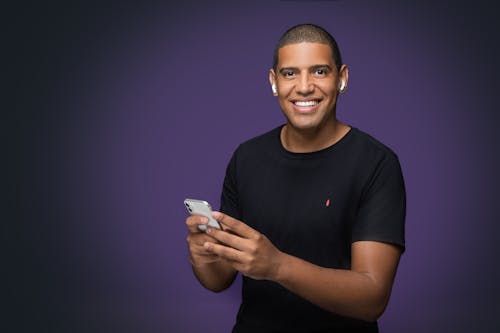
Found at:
<point>201,207</point>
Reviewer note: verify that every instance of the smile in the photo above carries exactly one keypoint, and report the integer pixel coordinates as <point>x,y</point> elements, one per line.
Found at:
<point>306,103</point>
<point>306,106</point>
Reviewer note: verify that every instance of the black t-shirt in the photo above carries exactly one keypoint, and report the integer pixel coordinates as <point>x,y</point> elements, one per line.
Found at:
<point>312,206</point>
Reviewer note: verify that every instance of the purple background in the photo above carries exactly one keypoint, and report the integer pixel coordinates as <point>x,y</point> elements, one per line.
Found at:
<point>124,111</point>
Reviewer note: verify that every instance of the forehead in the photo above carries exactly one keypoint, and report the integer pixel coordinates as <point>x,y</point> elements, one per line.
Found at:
<point>305,55</point>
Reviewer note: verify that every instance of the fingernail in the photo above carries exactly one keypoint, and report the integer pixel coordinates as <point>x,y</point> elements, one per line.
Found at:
<point>204,219</point>
<point>216,215</point>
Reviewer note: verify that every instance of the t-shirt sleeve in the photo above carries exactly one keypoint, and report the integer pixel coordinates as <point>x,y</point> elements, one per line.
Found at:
<point>382,210</point>
<point>229,197</point>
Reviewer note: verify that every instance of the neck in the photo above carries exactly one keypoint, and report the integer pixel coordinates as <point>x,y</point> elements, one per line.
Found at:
<point>306,141</point>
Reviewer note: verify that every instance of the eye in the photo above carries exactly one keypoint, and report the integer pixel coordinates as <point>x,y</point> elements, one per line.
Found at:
<point>321,71</point>
<point>288,74</point>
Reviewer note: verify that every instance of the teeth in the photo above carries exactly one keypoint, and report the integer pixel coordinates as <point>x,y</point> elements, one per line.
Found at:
<point>308,103</point>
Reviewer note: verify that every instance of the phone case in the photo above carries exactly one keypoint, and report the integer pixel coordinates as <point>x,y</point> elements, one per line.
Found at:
<point>201,207</point>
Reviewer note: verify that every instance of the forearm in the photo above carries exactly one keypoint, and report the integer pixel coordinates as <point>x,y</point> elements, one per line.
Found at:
<point>216,276</point>
<point>344,292</point>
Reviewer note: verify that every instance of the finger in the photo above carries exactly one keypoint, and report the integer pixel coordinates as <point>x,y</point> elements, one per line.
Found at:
<point>198,255</point>
<point>234,225</point>
<point>198,239</point>
<point>224,251</point>
<point>199,250</point>
<point>229,239</point>
<point>193,221</point>
<point>234,264</point>
<point>200,247</point>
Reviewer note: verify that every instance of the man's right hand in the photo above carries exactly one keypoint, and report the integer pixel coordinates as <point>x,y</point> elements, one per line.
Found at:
<point>198,255</point>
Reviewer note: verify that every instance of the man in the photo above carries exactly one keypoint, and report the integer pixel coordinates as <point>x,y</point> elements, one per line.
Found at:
<point>312,211</point>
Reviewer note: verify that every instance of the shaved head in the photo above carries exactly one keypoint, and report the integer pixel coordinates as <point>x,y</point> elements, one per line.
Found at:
<point>308,33</point>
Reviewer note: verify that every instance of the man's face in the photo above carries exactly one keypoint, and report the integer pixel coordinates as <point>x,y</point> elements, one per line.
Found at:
<point>307,84</point>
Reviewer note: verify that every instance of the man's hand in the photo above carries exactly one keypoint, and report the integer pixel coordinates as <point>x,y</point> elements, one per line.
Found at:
<point>198,254</point>
<point>244,248</point>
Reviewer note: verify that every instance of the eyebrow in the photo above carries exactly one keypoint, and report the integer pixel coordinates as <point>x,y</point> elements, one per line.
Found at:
<point>322,66</point>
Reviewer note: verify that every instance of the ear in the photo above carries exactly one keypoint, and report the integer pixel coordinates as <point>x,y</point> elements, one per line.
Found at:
<point>343,78</point>
<point>272,82</point>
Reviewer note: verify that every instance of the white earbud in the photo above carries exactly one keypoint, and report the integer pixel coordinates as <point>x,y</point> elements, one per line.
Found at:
<point>274,89</point>
<point>341,86</point>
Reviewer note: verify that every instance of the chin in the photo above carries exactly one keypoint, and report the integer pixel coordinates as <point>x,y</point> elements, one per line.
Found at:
<point>302,126</point>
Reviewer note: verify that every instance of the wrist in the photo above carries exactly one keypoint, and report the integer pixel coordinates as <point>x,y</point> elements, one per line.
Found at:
<point>280,271</point>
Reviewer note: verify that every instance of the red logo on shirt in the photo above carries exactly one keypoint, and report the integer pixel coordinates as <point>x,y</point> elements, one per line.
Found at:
<point>327,203</point>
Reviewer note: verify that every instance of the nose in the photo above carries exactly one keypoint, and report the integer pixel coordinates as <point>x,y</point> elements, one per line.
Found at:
<point>305,85</point>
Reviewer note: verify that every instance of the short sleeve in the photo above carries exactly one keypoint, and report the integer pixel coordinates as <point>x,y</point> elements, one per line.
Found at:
<point>382,209</point>
<point>229,197</point>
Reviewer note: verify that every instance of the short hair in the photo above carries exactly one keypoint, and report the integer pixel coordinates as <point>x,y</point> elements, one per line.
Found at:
<point>309,33</point>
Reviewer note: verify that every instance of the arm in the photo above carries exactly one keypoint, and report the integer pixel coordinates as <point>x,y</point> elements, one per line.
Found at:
<point>361,292</point>
<point>216,276</point>
<point>211,271</point>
